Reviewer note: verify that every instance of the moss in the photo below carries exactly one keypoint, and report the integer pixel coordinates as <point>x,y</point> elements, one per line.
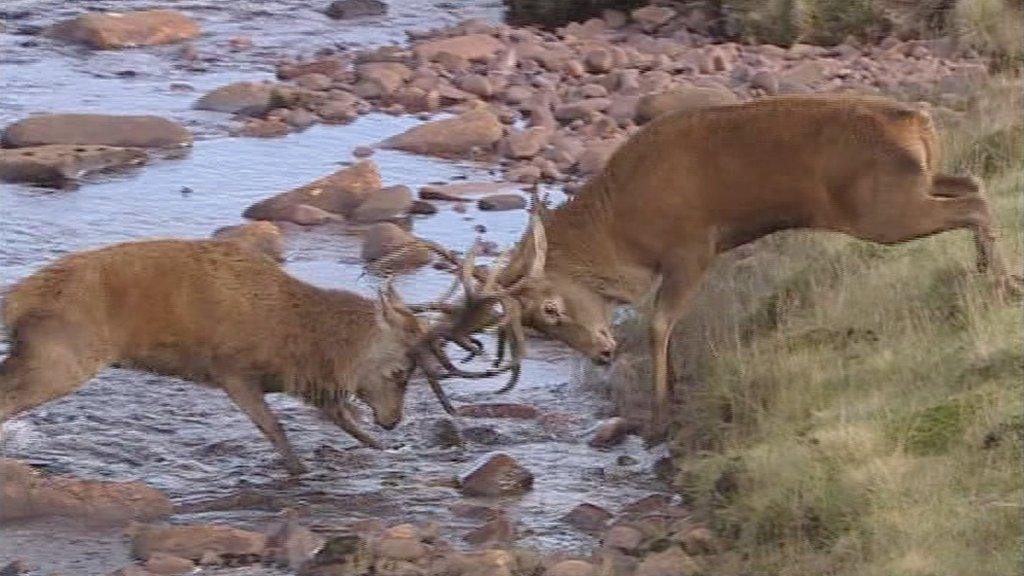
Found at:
<point>933,430</point>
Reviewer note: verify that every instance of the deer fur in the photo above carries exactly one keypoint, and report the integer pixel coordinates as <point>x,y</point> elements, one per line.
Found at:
<point>692,185</point>
<point>213,312</point>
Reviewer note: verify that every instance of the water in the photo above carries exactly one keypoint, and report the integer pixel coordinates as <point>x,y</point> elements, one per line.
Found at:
<point>189,440</point>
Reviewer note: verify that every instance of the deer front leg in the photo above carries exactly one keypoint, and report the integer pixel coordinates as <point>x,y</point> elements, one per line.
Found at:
<point>248,395</point>
<point>339,414</point>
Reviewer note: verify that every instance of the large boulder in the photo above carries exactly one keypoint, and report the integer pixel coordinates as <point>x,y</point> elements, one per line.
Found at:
<point>60,165</point>
<point>97,129</point>
<point>249,98</point>
<point>196,541</point>
<point>470,47</point>
<point>451,136</point>
<point>403,250</point>
<point>497,474</point>
<point>344,9</point>
<point>25,494</point>
<point>682,99</point>
<point>113,30</point>
<point>384,204</point>
<point>338,193</point>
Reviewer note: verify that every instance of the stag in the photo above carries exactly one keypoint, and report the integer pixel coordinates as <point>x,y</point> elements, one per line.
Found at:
<point>692,185</point>
<point>218,313</point>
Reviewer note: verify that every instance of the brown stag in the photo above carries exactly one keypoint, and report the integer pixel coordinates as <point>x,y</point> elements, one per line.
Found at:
<point>692,185</point>
<point>220,313</point>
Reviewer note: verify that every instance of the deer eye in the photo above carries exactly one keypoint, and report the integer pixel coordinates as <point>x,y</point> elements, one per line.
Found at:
<point>552,310</point>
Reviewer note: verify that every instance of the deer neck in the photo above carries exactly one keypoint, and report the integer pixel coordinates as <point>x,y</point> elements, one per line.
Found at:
<point>583,248</point>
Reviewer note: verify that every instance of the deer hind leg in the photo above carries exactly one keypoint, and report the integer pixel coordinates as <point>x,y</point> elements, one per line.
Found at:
<point>50,358</point>
<point>989,258</point>
<point>679,282</point>
<point>248,395</point>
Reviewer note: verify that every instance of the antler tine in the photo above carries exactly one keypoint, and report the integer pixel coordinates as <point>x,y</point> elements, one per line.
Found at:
<point>433,380</point>
<point>466,271</point>
<point>496,267</point>
<point>512,322</point>
<point>540,244</point>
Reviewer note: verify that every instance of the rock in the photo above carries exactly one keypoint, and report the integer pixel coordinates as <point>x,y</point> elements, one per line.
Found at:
<point>522,144</point>
<point>25,494</point>
<point>766,81</point>
<point>587,517</point>
<point>497,474</point>
<point>192,541</point>
<point>414,99</point>
<point>699,541</point>
<point>516,94</point>
<point>386,238</point>
<point>381,78</point>
<point>395,548</point>
<point>15,568</point>
<point>648,504</point>
<point>460,191</point>
<point>807,73</point>
<point>595,155</point>
<point>611,432</point>
<point>598,61</point>
<point>651,17</point>
<point>525,173</point>
<point>247,98</point>
<point>498,410</point>
<point>474,511</point>
<point>623,537</point>
<point>167,564</point>
<point>681,99</point>
<point>443,433</point>
<point>314,81</point>
<point>96,129</point>
<point>340,110</point>
<point>292,544</point>
<point>384,204</point>
<point>299,118</point>
<point>259,128</point>
<point>346,555</point>
<point>344,9</point>
<point>498,202</point>
<point>264,237</point>
<point>339,193</point>
<point>571,568</point>
<point>362,151</point>
<point>476,84</point>
<point>670,562</point>
<point>471,47</point>
<point>422,208</point>
<point>60,165</point>
<point>114,30</point>
<point>498,529</point>
<point>328,66</point>
<point>451,136</point>
<point>306,215</point>
<point>131,570</point>
<point>581,109</point>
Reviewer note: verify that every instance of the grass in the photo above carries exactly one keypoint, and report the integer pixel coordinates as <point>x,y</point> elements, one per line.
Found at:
<point>853,409</point>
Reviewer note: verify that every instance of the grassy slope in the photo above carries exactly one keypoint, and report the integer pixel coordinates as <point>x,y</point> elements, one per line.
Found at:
<point>856,409</point>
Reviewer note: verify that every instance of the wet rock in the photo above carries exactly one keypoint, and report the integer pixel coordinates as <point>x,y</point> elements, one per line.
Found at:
<point>670,562</point>
<point>114,30</point>
<point>582,109</point>
<point>339,110</point>
<point>651,17</point>
<point>96,129</point>
<point>500,529</point>
<point>260,128</point>
<point>402,248</point>
<point>422,208</point>
<point>25,494</point>
<point>443,433</point>
<point>498,410</point>
<point>384,204</point>
<point>526,174</point>
<point>262,236</point>
<point>192,541</point>
<point>377,79</point>
<point>681,99</point>
<point>595,155</point>
<point>314,81</point>
<point>59,165</point>
<point>299,118</point>
<point>765,80</point>
<point>408,549</point>
<point>339,193</point>
<point>587,517</point>
<point>131,570</point>
<point>474,511</point>
<point>497,474</point>
<point>471,47</point>
<point>347,555</point>
<point>516,94</point>
<point>611,432</point>
<point>247,98</point>
<point>168,565</point>
<point>327,66</point>
<point>598,61</point>
<point>15,568</point>
<point>623,537</point>
<point>462,191</point>
<point>485,435</point>
<point>808,72</point>
<point>362,151</point>
<point>648,504</point>
<point>571,568</point>
<point>498,202</point>
<point>476,84</point>
<point>345,9</point>
<point>452,136</point>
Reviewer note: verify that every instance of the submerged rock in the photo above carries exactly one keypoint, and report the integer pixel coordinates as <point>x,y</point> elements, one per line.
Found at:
<point>113,30</point>
<point>25,494</point>
<point>384,204</point>
<point>344,9</point>
<point>451,136</point>
<point>497,474</point>
<point>402,248</point>
<point>248,98</point>
<point>59,165</point>
<point>96,129</point>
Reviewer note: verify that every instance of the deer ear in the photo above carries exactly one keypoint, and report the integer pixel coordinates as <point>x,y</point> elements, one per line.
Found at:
<point>540,246</point>
<point>391,305</point>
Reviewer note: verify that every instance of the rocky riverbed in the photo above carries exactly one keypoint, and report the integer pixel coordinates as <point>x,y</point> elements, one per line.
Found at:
<point>352,128</point>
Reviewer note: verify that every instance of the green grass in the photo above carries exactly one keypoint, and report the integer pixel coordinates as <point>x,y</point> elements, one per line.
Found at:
<point>855,409</point>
